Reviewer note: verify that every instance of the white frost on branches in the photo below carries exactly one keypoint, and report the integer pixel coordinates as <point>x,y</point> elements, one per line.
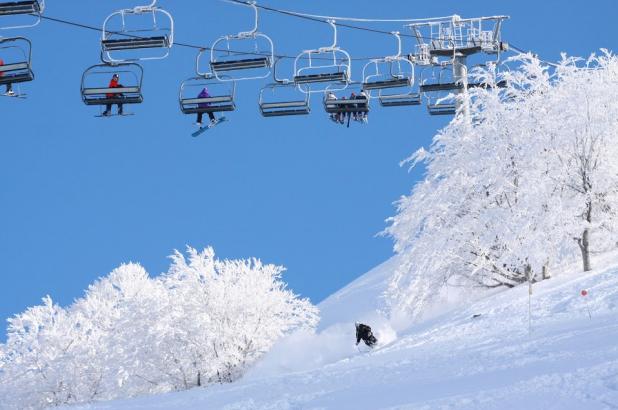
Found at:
<point>204,321</point>
<point>527,180</point>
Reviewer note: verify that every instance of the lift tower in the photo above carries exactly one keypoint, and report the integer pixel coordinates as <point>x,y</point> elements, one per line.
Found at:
<point>450,42</point>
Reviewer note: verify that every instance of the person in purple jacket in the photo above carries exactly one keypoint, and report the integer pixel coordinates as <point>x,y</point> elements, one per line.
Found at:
<point>204,94</point>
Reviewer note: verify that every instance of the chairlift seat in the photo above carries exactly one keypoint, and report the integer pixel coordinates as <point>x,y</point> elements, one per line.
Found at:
<point>344,106</point>
<point>19,7</point>
<point>285,108</point>
<point>16,73</point>
<point>17,78</point>
<point>400,100</point>
<point>249,63</point>
<point>98,96</point>
<point>135,43</point>
<point>393,83</point>
<point>427,88</point>
<point>499,84</point>
<point>321,78</point>
<point>442,109</point>
<point>215,104</point>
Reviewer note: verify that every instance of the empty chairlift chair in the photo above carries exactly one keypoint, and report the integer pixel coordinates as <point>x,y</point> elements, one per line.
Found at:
<point>247,55</point>
<point>283,99</point>
<point>140,33</point>
<point>95,88</point>
<point>16,55</point>
<point>220,99</point>
<point>326,68</point>
<point>440,89</point>
<point>392,79</point>
<point>20,14</point>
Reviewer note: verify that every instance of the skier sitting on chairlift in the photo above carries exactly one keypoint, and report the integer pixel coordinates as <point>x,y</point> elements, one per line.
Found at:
<point>361,116</point>
<point>9,86</point>
<point>204,94</point>
<point>113,84</point>
<point>363,332</point>
<point>336,117</point>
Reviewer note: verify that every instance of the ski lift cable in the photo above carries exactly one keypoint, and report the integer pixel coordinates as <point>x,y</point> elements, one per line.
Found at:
<point>355,19</point>
<point>198,47</point>
<point>179,44</point>
<point>521,51</point>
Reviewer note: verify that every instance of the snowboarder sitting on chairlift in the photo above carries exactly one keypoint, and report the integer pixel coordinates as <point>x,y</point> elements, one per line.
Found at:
<point>113,84</point>
<point>363,332</point>
<point>204,94</point>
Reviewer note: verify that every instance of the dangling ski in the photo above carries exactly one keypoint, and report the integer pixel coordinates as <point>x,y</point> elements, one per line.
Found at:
<point>207,127</point>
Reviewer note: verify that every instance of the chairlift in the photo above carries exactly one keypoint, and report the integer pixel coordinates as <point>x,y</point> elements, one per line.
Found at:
<point>249,52</point>
<point>19,14</point>
<point>388,72</point>
<point>441,105</point>
<point>220,95</point>
<point>440,81</point>
<point>16,56</point>
<point>282,98</point>
<point>337,103</point>
<point>95,88</point>
<point>393,79</point>
<point>330,66</point>
<point>133,34</point>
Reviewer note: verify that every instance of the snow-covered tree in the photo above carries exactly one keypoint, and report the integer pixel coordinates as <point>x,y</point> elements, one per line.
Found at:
<point>509,185</point>
<point>204,321</point>
<point>227,314</point>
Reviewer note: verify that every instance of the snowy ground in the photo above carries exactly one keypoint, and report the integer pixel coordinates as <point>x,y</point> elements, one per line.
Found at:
<point>565,360</point>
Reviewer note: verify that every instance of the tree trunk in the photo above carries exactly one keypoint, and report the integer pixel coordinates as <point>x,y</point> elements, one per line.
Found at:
<point>546,274</point>
<point>584,246</point>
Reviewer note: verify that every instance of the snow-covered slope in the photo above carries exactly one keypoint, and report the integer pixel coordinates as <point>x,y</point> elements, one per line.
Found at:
<point>560,359</point>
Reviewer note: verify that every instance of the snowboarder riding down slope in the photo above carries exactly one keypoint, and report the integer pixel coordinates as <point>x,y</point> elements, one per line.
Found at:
<point>113,84</point>
<point>363,332</point>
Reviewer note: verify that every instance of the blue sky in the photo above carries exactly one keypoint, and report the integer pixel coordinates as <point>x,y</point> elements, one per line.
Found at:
<point>80,195</point>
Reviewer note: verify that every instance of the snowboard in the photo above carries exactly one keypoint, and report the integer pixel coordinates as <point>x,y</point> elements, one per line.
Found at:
<point>13,95</point>
<point>207,127</point>
<point>126,114</point>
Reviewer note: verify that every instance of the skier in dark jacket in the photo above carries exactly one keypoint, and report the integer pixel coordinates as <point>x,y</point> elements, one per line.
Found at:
<point>363,332</point>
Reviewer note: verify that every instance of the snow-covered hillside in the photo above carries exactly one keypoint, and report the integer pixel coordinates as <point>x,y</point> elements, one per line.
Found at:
<point>564,360</point>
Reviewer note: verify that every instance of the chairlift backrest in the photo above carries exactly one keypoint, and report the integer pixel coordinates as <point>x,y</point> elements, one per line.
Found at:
<point>123,40</point>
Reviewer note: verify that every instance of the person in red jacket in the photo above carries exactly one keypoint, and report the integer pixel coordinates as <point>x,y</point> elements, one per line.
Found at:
<point>9,86</point>
<point>113,84</point>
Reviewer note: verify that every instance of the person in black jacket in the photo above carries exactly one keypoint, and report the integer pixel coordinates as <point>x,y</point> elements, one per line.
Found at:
<point>363,332</point>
